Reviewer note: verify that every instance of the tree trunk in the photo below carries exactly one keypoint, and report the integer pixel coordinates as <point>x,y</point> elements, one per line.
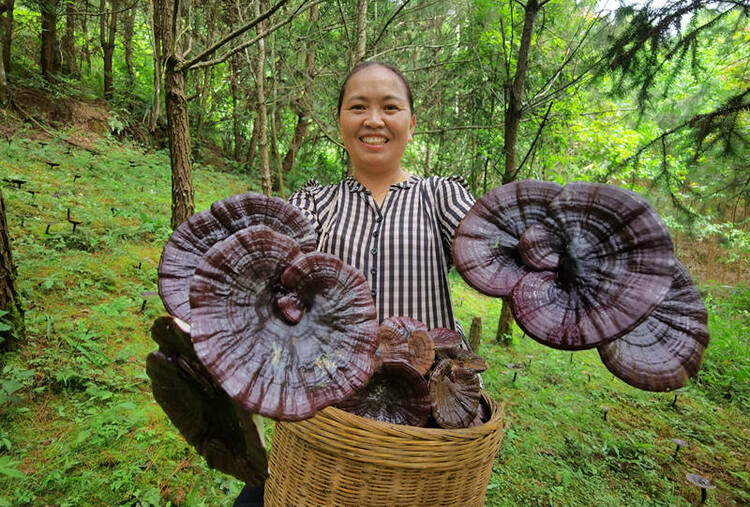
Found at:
<point>253,148</point>
<point>85,51</point>
<point>68,42</point>
<point>157,28</point>
<point>127,35</point>
<point>107,30</point>
<point>513,114</point>
<point>475,334</point>
<point>304,103</point>
<point>275,76</point>
<point>6,28</point>
<point>202,92</point>
<point>49,58</point>
<point>236,129</point>
<point>361,46</point>
<point>9,301</point>
<point>261,118</point>
<point>179,144</point>
<point>4,92</point>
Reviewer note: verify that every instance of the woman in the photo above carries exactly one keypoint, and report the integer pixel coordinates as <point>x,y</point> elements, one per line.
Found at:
<point>393,226</point>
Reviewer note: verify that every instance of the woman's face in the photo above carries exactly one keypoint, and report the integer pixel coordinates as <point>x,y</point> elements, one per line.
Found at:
<point>375,121</point>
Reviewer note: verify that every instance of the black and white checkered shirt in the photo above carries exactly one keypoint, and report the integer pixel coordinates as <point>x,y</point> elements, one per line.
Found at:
<point>402,247</point>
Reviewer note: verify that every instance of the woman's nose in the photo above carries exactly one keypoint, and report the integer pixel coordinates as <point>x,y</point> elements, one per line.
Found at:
<point>374,118</point>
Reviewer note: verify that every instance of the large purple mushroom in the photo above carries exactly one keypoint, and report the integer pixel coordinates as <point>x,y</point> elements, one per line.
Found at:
<point>192,239</point>
<point>284,333</point>
<point>664,351</point>
<point>603,261</point>
<point>220,430</point>
<point>485,249</point>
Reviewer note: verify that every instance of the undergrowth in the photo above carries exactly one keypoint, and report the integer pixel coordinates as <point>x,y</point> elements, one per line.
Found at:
<point>78,424</point>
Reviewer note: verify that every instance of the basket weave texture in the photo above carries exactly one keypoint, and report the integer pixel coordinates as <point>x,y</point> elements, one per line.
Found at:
<point>337,458</point>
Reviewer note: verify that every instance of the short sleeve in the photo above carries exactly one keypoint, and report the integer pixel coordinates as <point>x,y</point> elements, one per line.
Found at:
<point>452,200</point>
<point>304,199</point>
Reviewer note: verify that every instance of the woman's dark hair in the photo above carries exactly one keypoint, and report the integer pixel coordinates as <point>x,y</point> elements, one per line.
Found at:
<point>388,66</point>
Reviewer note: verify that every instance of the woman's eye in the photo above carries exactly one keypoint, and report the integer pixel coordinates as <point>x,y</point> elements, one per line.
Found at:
<point>391,107</point>
<point>358,107</point>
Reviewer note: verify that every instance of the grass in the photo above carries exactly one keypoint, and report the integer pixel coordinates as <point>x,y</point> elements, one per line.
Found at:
<point>78,425</point>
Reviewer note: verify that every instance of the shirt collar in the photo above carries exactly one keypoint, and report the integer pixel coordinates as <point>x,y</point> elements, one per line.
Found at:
<point>356,186</point>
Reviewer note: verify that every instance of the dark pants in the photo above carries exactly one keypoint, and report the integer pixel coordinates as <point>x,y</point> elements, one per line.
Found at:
<point>250,496</point>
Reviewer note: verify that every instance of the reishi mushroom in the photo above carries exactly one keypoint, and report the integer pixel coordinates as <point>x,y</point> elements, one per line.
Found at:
<point>603,261</point>
<point>281,359</point>
<point>664,351</point>
<point>485,248</point>
<point>193,238</point>
<point>221,431</point>
<point>455,394</point>
<point>397,393</point>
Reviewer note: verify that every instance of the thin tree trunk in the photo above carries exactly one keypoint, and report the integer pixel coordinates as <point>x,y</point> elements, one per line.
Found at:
<point>9,301</point>
<point>252,150</point>
<point>4,92</point>
<point>49,58</point>
<point>513,114</point>
<point>85,51</point>
<point>303,105</point>
<point>6,28</point>
<point>261,118</point>
<point>236,130</point>
<point>68,42</point>
<point>361,45</point>
<point>107,30</point>
<point>203,94</point>
<point>179,144</point>
<point>157,27</point>
<point>275,117</point>
<point>127,35</point>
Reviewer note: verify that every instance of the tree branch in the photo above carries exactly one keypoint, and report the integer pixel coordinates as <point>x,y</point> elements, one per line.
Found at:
<point>208,52</point>
<point>385,26</point>
<point>536,138</point>
<point>249,43</point>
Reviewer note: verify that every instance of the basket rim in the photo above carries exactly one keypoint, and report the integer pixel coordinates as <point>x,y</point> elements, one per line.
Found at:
<point>369,426</point>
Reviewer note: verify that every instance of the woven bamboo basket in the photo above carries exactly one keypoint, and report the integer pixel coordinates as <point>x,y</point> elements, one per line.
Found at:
<point>337,458</point>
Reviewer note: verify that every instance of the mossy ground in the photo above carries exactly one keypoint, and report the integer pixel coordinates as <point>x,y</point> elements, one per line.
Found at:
<point>78,425</point>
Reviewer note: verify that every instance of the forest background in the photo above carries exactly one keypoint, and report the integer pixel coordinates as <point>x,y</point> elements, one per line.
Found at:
<point>121,118</point>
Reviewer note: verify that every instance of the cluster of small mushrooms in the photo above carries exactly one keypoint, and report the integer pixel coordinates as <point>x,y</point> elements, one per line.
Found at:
<point>588,265</point>
<point>262,324</point>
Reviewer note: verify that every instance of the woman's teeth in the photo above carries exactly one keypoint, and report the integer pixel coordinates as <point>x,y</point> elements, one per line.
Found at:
<point>374,140</point>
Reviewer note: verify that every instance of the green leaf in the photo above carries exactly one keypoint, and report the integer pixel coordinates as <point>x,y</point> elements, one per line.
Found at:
<point>8,467</point>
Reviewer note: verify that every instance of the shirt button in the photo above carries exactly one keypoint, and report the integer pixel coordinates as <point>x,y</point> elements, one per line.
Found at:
<point>374,234</point>
<point>374,251</point>
<point>379,219</point>
<point>372,292</point>
<point>373,270</point>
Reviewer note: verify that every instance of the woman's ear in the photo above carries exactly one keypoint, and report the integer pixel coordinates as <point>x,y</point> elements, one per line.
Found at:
<point>411,128</point>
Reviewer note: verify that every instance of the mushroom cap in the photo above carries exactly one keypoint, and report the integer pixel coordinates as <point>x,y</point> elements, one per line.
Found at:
<point>607,260</point>
<point>443,337</point>
<point>221,431</point>
<point>485,246</point>
<point>462,358</point>
<point>270,365</point>
<point>666,349</point>
<point>421,351</point>
<point>393,344</point>
<point>192,239</point>
<point>699,481</point>
<point>397,393</point>
<point>403,326</point>
<point>679,442</point>
<point>455,394</point>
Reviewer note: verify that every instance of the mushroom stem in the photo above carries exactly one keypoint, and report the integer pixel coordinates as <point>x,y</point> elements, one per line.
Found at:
<point>676,450</point>
<point>515,374</point>
<point>291,308</point>
<point>674,401</point>
<point>704,495</point>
